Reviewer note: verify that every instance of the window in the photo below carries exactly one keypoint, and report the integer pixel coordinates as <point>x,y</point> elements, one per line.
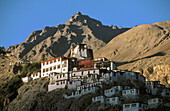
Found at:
<point>133,105</point>
<point>127,106</point>
<point>167,93</point>
<point>57,83</point>
<point>94,71</point>
<point>154,100</point>
<point>58,66</point>
<point>37,74</point>
<point>63,75</point>
<point>54,67</point>
<point>43,70</point>
<point>64,65</point>
<point>113,99</point>
<point>140,105</point>
<point>82,73</point>
<point>63,69</point>
<point>47,69</point>
<point>50,68</point>
<point>63,82</point>
<point>33,75</point>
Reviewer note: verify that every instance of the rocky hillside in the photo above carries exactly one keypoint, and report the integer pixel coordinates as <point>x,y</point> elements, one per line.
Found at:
<point>144,48</point>
<point>56,41</point>
<point>7,67</point>
<point>33,96</point>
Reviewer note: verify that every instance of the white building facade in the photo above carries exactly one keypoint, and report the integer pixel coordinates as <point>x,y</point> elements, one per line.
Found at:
<point>81,52</point>
<point>135,107</point>
<point>36,75</point>
<point>79,93</point>
<point>26,79</point>
<point>154,103</point>
<point>130,93</point>
<point>113,91</point>
<point>101,99</point>
<point>113,101</point>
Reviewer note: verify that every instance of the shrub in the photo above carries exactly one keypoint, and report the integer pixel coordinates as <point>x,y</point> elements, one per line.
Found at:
<point>30,68</point>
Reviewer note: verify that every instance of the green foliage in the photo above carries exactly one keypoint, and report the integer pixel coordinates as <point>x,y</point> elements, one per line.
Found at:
<point>42,57</point>
<point>30,68</point>
<point>13,84</point>
<point>9,90</point>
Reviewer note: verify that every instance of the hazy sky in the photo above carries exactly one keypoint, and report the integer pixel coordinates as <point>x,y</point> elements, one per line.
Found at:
<point>18,18</point>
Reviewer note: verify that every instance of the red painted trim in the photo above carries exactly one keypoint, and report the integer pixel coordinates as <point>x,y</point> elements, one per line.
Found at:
<point>53,59</point>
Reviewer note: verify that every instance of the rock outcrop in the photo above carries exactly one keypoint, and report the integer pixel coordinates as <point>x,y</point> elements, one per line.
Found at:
<point>159,72</point>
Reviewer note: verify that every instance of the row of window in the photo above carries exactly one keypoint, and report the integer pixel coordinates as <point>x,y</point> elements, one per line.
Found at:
<point>35,74</point>
<point>113,99</point>
<point>63,75</point>
<point>62,82</point>
<point>54,68</point>
<point>134,105</point>
<point>132,91</point>
<point>154,100</point>
<point>110,91</point>
<point>53,61</point>
<point>82,72</point>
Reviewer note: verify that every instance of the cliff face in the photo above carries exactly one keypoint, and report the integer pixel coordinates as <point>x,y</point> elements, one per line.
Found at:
<point>56,41</point>
<point>159,72</point>
<point>141,47</point>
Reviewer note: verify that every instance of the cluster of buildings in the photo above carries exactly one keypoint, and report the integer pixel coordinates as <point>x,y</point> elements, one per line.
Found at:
<point>83,74</point>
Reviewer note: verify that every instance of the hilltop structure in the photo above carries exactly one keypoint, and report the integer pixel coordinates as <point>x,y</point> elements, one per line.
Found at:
<point>84,75</point>
<point>81,52</point>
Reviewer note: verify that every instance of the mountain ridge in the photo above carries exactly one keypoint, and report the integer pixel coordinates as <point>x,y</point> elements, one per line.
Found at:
<point>57,40</point>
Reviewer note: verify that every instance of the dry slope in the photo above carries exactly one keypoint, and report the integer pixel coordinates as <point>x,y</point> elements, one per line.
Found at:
<point>141,48</point>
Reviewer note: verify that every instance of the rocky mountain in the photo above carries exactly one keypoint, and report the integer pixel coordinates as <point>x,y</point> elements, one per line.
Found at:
<point>57,40</point>
<point>144,48</point>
